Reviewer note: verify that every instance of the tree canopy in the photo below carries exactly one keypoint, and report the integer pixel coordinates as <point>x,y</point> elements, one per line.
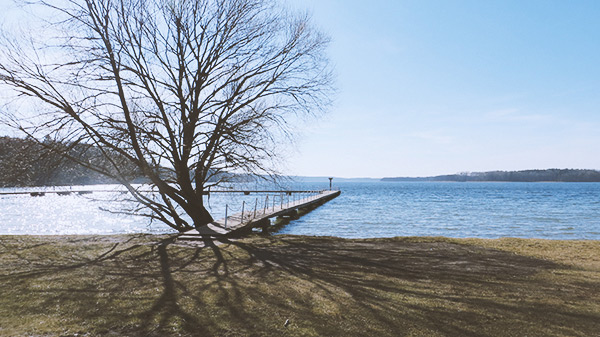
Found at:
<point>182,90</point>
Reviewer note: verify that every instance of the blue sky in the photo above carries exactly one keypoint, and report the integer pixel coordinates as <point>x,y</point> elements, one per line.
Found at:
<point>436,87</point>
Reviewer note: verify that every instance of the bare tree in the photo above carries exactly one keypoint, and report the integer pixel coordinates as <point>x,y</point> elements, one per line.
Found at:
<point>184,91</point>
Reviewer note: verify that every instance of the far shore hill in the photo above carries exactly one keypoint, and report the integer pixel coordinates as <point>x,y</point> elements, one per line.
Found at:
<point>549,175</point>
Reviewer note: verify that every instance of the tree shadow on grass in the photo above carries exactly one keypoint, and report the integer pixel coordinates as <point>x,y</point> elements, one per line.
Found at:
<point>166,307</point>
<point>435,287</point>
<point>124,287</point>
<point>143,286</point>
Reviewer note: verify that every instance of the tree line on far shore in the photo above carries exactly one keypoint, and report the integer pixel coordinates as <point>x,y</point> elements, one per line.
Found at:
<point>30,162</point>
<point>26,162</point>
<point>554,175</point>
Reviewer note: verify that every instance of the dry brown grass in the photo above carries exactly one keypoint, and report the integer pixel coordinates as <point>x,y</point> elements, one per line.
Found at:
<point>145,285</point>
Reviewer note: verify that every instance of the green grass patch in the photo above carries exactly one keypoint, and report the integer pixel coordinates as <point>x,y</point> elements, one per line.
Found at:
<point>144,285</point>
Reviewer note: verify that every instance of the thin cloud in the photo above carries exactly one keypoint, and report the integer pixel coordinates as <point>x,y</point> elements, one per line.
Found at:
<point>433,136</point>
<point>516,115</point>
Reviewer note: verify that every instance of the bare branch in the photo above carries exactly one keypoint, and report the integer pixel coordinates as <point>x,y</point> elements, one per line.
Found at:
<point>186,92</point>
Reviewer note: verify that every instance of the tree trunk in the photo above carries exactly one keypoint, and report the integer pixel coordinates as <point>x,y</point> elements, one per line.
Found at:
<point>201,216</point>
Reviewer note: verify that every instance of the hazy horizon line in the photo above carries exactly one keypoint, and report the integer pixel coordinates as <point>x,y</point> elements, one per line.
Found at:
<point>436,175</point>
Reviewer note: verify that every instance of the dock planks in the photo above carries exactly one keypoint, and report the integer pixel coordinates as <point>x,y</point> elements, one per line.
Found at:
<point>238,222</point>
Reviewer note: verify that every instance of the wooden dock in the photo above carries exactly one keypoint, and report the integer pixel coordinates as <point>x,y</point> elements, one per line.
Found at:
<point>43,192</point>
<point>248,219</point>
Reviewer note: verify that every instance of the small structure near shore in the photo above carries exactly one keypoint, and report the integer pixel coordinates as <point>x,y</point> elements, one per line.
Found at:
<point>248,219</point>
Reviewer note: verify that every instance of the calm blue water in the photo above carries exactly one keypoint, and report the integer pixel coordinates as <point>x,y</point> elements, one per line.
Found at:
<point>364,210</point>
<point>482,210</point>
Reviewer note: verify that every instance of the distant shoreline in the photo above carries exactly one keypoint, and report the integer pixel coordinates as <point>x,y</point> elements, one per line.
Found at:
<point>530,176</point>
<point>541,176</point>
<point>422,180</point>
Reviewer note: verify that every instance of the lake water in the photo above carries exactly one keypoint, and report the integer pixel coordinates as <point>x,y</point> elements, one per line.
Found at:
<point>363,210</point>
<point>482,210</point>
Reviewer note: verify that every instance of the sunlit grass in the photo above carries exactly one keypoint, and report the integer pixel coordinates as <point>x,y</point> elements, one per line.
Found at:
<point>141,285</point>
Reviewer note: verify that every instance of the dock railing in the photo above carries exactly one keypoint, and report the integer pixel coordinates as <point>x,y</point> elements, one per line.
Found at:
<point>272,203</point>
<point>258,212</point>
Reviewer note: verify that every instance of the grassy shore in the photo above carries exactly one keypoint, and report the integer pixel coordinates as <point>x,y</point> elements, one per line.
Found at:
<point>144,285</point>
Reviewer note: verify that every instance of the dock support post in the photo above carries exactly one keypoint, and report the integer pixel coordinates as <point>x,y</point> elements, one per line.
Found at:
<point>266,204</point>
<point>243,204</point>
<point>264,224</point>
<point>225,216</point>
<point>255,204</point>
